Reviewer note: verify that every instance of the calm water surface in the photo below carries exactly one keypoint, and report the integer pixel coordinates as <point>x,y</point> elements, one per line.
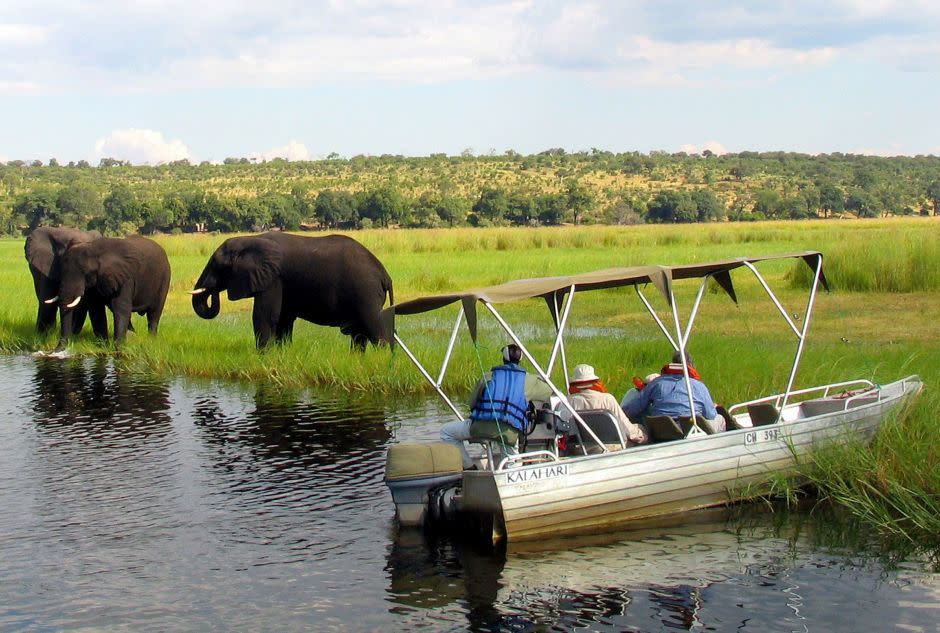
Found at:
<point>128,503</point>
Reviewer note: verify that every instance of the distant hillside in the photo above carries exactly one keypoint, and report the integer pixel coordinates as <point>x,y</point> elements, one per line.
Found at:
<point>551,187</point>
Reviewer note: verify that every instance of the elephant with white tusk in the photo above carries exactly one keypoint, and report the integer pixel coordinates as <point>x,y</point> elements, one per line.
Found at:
<point>45,247</point>
<point>126,275</point>
<point>332,280</point>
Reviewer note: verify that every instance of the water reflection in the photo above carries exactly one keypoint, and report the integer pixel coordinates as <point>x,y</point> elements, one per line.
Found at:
<point>88,399</point>
<point>721,572</point>
<point>130,503</point>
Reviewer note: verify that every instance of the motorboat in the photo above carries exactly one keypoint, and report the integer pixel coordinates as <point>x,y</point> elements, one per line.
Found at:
<point>573,471</point>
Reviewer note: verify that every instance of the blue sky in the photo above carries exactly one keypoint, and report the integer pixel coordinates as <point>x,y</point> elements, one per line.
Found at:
<point>152,81</point>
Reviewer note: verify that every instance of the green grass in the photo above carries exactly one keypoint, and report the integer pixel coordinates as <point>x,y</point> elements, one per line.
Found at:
<point>879,323</point>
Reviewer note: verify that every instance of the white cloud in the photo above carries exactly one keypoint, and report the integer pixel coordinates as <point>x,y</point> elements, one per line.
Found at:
<point>714,146</point>
<point>141,146</point>
<point>155,46</point>
<point>292,151</point>
<point>22,34</point>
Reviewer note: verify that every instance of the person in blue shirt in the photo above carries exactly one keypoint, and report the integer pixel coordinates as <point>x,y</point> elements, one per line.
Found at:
<point>667,395</point>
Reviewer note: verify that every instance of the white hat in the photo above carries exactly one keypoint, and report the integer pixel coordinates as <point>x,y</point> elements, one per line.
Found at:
<point>583,373</point>
<point>651,378</point>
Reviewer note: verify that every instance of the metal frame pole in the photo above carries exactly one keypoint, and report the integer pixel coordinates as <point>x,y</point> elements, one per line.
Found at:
<point>427,376</point>
<point>542,374</point>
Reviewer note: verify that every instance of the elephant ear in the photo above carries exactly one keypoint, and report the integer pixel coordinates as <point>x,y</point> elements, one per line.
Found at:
<point>257,265</point>
<point>39,252</point>
<point>117,262</point>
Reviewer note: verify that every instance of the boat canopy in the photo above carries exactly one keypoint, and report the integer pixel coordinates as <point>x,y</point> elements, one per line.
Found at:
<point>558,293</point>
<point>553,288</point>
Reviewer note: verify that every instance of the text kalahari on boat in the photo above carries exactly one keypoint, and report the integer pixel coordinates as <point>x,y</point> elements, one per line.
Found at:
<point>600,482</point>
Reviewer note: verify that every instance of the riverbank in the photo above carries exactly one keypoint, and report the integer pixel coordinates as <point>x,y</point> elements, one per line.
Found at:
<point>878,323</point>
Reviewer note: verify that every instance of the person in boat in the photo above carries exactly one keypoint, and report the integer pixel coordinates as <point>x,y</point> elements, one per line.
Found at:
<point>667,395</point>
<point>498,406</point>
<point>638,386</point>
<point>588,392</point>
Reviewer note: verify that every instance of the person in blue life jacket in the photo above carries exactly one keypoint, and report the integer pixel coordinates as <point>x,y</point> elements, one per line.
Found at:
<point>498,406</point>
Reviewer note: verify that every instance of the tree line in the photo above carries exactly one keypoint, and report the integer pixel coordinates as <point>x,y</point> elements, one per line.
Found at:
<point>548,188</point>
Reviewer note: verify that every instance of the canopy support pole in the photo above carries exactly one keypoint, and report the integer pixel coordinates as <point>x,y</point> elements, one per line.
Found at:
<point>800,334</point>
<point>559,338</point>
<point>427,376</point>
<point>450,346</point>
<point>655,316</point>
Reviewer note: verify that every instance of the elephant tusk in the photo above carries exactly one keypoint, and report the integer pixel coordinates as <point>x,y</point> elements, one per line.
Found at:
<point>74,303</point>
<point>197,291</point>
<point>52,300</point>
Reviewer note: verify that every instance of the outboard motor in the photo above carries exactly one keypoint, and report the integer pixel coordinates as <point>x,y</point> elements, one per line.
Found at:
<point>412,470</point>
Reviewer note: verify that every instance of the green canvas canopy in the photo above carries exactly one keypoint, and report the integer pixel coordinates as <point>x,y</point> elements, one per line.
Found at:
<point>550,288</point>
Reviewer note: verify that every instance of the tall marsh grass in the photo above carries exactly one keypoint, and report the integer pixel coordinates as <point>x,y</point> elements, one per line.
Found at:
<point>885,326</point>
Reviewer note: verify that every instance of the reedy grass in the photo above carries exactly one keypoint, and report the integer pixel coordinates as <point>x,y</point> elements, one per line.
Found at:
<point>881,330</point>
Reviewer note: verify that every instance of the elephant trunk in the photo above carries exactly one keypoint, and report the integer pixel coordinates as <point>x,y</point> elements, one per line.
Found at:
<point>204,307</point>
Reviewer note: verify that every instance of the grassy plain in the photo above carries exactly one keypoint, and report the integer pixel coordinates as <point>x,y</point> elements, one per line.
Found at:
<point>879,322</point>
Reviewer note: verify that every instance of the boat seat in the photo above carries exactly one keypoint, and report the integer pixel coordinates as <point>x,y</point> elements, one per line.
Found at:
<point>763,413</point>
<point>685,423</point>
<point>605,427</point>
<point>731,424</point>
<point>663,428</point>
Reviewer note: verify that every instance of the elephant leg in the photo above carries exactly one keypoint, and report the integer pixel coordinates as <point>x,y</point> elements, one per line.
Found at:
<point>66,329</point>
<point>78,321</point>
<point>99,321</point>
<point>121,310</point>
<point>153,319</point>
<point>45,317</point>
<point>285,329</point>
<point>357,341</point>
<point>266,314</point>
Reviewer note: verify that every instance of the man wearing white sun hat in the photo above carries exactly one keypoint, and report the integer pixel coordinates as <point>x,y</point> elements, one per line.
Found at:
<point>588,392</point>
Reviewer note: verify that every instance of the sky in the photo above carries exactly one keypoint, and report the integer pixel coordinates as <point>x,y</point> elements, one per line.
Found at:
<point>153,81</point>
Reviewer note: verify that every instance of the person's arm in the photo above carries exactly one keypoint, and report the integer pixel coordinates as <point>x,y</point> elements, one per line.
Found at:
<point>537,389</point>
<point>478,390</point>
<point>635,432</point>
<point>637,407</point>
<point>708,405</point>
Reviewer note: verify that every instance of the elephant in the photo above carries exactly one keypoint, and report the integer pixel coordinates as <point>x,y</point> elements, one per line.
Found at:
<point>126,275</point>
<point>45,248</point>
<point>332,280</point>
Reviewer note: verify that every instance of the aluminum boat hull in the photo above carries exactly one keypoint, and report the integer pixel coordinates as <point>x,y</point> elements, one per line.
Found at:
<point>598,492</point>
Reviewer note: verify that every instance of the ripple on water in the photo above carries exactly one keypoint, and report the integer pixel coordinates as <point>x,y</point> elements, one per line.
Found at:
<point>134,503</point>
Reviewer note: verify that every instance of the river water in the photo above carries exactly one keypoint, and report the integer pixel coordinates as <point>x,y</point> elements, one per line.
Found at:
<point>129,503</point>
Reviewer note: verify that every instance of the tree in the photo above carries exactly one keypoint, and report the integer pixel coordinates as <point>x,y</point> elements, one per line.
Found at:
<point>335,209</point>
<point>522,209</point>
<point>492,206</point>
<point>579,199</point>
<point>79,204</point>
<point>863,203</point>
<point>122,211</point>
<point>551,208</point>
<point>383,205</point>
<point>933,194</point>
<point>38,207</point>
<point>670,205</point>
<point>831,199</point>
<point>768,203</point>
<point>708,206</point>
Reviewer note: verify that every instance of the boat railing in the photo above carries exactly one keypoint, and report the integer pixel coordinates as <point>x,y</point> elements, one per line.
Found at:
<point>539,456</point>
<point>776,399</point>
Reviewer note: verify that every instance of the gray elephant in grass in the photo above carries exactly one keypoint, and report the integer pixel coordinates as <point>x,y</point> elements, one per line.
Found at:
<point>126,275</point>
<point>45,247</point>
<point>332,280</point>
